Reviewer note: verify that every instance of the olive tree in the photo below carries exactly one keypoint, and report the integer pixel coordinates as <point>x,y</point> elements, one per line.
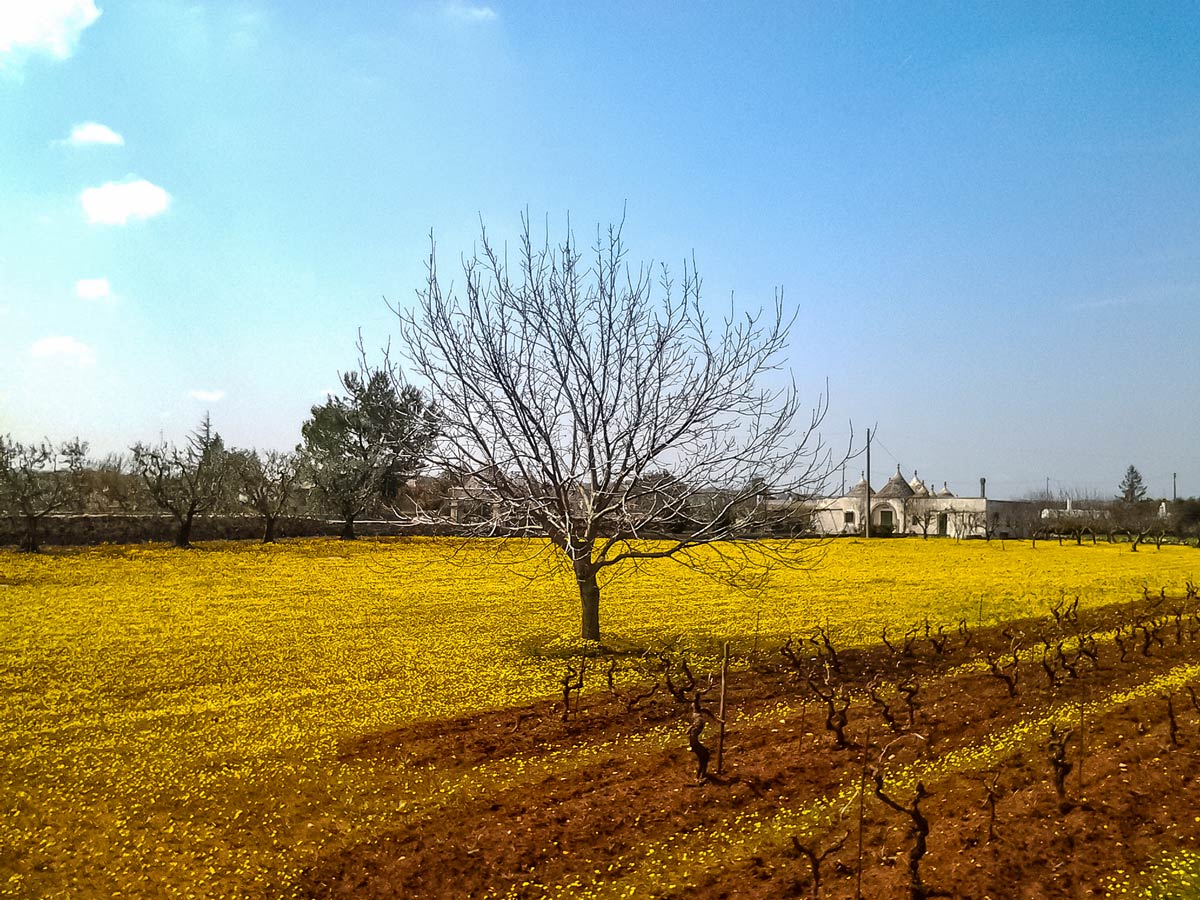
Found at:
<point>1185,519</point>
<point>186,481</point>
<point>38,479</point>
<point>598,404</point>
<point>266,483</point>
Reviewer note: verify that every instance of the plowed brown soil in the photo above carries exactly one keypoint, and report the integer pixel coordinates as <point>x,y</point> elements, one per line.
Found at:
<point>1132,792</point>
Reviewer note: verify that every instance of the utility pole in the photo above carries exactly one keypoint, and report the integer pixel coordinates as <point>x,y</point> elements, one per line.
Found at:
<point>1174,487</point>
<point>867,533</point>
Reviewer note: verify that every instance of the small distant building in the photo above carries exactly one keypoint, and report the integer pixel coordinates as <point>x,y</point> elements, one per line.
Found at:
<point>1076,513</point>
<point>911,507</point>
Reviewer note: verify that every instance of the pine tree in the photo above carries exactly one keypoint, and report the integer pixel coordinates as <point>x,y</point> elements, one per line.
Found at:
<point>1132,487</point>
<point>364,445</point>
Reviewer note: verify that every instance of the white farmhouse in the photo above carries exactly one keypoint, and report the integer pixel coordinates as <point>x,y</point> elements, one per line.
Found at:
<point>910,507</point>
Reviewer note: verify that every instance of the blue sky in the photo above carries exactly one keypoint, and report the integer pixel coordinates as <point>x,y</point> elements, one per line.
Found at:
<point>987,216</point>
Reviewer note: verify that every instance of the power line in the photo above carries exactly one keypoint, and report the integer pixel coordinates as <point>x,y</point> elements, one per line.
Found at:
<point>875,438</point>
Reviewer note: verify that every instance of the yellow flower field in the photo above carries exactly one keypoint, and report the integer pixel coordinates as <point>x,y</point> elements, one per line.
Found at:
<point>172,719</point>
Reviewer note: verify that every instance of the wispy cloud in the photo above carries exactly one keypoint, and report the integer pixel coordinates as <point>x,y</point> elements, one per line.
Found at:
<point>42,28</point>
<point>246,30</point>
<point>61,348</point>
<point>466,12</point>
<point>116,202</point>
<point>207,396</point>
<point>1104,303</point>
<point>93,133</point>
<point>1153,295</point>
<point>93,289</point>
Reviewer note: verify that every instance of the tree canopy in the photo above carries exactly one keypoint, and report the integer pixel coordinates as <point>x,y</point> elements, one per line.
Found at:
<point>267,483</point>
<point>595,403</point>
<point>38,479</point>
<point>363,445</point>
<point>1132,488</point>
<point>186,481</point>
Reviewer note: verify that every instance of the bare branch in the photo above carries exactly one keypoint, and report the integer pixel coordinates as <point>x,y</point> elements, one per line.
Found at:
<point>580,399</point>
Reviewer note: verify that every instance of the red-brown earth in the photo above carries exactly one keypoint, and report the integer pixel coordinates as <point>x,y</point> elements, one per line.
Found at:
<point>1130,796</point>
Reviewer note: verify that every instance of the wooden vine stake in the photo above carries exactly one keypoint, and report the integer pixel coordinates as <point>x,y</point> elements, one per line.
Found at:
<point>721,709</point>
<point>862,790</point>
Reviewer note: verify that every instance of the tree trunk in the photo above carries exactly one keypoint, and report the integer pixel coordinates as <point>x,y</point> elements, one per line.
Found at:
<point>29,541</point>
<point>183,538</point>
<point>269,531</point>
<point>589,596</point>
<point>348,529</point>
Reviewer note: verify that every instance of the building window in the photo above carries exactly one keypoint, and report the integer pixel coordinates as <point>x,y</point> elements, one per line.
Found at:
<point>885,518</point>
<point>848,517</point>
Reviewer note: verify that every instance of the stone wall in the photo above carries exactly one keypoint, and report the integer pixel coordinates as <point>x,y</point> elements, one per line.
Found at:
<point>80,530</point>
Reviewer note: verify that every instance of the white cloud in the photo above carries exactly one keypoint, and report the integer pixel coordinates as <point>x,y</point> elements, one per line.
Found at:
<point>466,12</point>
<point>62,348</point>
<point>246,30</point>
<point>93,289</point>
<point>93,133</point>
<point>116,202</point>
<point>207,396</point>
<point>48,27</point>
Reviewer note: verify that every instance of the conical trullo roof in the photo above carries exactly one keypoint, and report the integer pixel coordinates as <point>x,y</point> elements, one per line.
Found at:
<point>860,489</point>
<point>945,491</point>
<point>918,486</point>
<point>896,487</point>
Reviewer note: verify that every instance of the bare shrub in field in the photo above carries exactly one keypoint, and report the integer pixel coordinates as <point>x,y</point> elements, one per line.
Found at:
<point>919,831</point>
<point>691,695</point>
<point>816,857</point>
<point>1060,766</point>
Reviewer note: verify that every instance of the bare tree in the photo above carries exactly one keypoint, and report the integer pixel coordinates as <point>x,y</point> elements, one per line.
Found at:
<point>925,519</point>
<point>113,486</point>
<point>37,480</point>
<point>588,406</point>
<point>969,523</point>
<point>187,481</point>
<point>266,482</point>
<point>425,497</point>
<point>1137,519</point>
